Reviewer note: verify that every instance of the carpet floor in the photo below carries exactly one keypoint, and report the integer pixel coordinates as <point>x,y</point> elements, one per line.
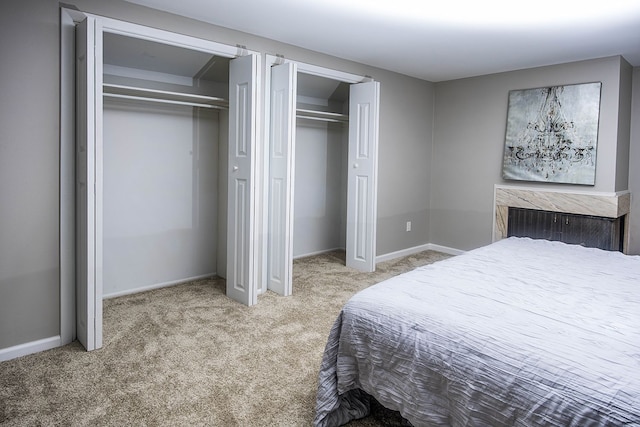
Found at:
<point>188,355</point>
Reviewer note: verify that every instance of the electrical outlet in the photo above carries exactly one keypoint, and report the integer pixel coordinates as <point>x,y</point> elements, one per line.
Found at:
<point>408,225</point>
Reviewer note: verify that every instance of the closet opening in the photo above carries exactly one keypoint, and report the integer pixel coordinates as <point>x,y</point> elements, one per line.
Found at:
<point>165,121</point>
<point>321,168</point>
<point>320,187</point>
<point>158,134</point>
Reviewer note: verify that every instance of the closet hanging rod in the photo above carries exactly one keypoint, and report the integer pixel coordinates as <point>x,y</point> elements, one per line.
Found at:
<point>321,115</point>
<point>165,101</point>
<point>321,119</point>
<point>161,94</point>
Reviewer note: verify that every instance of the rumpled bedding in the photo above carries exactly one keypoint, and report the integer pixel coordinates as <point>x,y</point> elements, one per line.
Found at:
<point>518,333</point>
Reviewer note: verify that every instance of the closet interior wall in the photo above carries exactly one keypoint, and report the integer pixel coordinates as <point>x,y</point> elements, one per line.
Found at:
<point>321,150</point>
<point>165,132</point>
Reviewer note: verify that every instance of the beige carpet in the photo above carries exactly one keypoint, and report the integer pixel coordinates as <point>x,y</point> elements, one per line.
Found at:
<point>188,355</point>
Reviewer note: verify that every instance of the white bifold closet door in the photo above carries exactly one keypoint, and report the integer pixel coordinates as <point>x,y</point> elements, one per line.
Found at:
<point>281,173</point>
<point>88,183</point>
<point>361,177</point>
<point>241,220</point>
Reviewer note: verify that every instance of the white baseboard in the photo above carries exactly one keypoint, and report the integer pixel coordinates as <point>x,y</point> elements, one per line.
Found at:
<point>156,286</point>
<point>324,251</point>
<point>29,348</point>
<point>446,249</point>
<point>398,254</point>
<point>416,249</point>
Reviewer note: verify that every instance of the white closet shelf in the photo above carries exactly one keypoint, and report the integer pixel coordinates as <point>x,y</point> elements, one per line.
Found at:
<point>321,115</point>
<point>163,96</point>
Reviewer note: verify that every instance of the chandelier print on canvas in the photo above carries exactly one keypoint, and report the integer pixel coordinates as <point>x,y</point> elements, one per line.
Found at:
<point>552,134</point>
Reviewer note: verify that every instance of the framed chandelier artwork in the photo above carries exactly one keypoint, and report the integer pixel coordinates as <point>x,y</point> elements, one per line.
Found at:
<point>552,134</point>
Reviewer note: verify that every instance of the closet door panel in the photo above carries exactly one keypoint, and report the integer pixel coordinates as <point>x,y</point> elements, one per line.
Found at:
<point>281,182</point>
<point>89,183</point>
<point>241,256</point>
<point>362,176</point>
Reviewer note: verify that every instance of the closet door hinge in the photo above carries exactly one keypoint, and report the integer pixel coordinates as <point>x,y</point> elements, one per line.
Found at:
<point>242,50</point>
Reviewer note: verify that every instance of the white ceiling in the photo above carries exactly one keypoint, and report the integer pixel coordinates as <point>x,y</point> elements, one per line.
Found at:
<point>432,40</point>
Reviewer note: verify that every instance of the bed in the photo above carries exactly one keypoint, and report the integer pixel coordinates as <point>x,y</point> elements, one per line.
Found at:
<point>518,333</point>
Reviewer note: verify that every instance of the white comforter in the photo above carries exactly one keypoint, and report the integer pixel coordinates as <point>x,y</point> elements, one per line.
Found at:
<point>518,333</point>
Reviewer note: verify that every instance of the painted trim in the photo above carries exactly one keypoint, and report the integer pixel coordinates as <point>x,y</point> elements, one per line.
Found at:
<point>139,31</point>
<point>445,249</point>
<point>29,348</point>
<point>398,254</point>
<point>157,286</point>
<point>317,70</point>
<point>67,180</point>
<point>417,249</point>
<point>324,251</point>
<point>568,190</point>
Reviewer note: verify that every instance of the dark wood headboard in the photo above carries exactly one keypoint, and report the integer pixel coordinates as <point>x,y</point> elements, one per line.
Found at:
<point>583,210</point>
<point>586,230</point>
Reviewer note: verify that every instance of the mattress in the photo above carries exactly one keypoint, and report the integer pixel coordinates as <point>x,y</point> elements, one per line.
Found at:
<point>518,333</point>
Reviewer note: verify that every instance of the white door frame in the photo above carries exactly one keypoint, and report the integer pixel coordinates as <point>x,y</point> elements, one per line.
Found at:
<point>89,183</point>
<point>304,68</point>
<point>69,18</point>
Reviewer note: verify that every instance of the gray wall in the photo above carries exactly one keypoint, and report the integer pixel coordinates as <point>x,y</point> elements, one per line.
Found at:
<point>624,126</point>
<point>404,162</point>
<point>470,123</point>
<point>29,173</point>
